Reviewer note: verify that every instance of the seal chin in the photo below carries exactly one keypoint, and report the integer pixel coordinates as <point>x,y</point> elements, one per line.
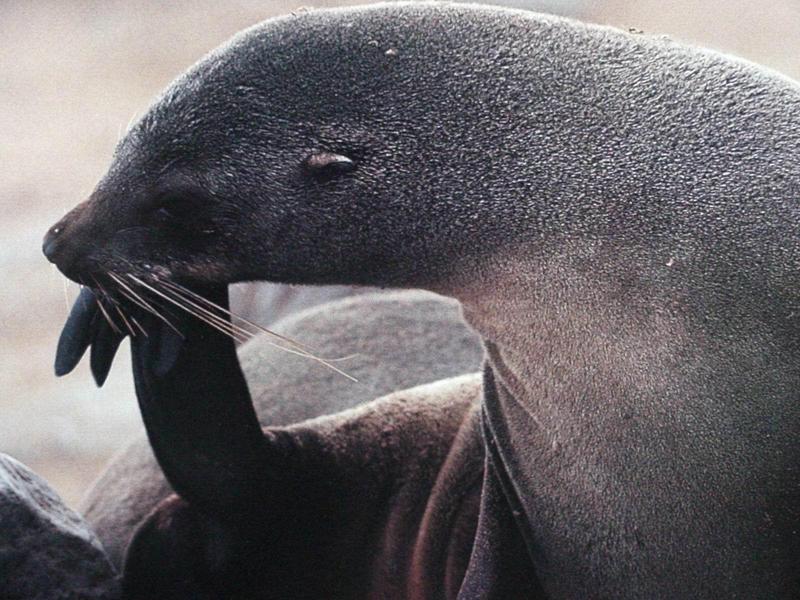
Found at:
<point>72,270</point>
<point>58,252</point>
<point>79,268</point>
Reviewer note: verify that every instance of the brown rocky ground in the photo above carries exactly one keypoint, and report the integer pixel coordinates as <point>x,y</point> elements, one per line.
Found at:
<point>72,76</point>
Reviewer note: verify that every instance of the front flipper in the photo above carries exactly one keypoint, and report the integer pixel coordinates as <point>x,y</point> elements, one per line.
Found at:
<point>193,397</point>
<point>198,412</point>
<point>87,327</point>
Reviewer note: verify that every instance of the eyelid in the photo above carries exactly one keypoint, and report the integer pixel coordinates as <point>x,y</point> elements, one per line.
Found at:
<point>328,163</point>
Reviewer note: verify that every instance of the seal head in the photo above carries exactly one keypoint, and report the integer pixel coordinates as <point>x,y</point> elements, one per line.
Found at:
<point>265,162</point>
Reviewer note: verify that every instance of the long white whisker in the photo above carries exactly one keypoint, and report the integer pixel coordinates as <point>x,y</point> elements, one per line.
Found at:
<point>216,321</point>
<point>142,302</point>
<point>298,346</point>
<point>102,308</point>
<point>108,317</point>
<point>221,324</point>
<point>226,321</point>
<point>298,349</point>
<point>221,319</point>
<point>299,352</point>
<point>135,322</point>
<point>227,328</point>
<point>125,320</point>
<point>66,296</point>
<point>116,306</point>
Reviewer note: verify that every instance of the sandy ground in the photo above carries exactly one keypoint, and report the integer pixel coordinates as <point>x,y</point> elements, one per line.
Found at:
<point>72,76</point>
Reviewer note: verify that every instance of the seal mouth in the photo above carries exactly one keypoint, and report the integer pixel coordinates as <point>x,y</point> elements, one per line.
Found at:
<point>115,305</point>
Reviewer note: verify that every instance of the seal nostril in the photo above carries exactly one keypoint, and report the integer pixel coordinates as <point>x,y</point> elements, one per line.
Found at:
<point>50,243</point>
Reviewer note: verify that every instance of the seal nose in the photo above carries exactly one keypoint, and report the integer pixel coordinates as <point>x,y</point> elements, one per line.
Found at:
<point>69,243</point>
<point>62,242</point>
<point>50,243</point>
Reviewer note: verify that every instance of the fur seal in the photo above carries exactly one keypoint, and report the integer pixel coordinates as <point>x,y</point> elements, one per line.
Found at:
<point>616,213</point>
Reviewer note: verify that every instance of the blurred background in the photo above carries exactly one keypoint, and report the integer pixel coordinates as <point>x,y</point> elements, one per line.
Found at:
<point>73,74</point>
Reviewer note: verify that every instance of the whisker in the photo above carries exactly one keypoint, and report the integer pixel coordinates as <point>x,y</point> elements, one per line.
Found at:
<point>209,313</point>
<point>291,342</point>
<point>224,326</point>
<point>125,320</point>
<point>227,322</point>
<point>221,325</point>
<point>222,329</point>
<point>104,291</point>
<point>135,322</point>
<point>130,121</point>
<point>118,308</point>
<point>299,349</point>
<point>66,295</point>
<point>104,296</point>
<point>239,334</point>
<point>344,358</point>
<point>296,350</point>
<point>134,300</point>
<point>134,297</point>
<point>107,316</point>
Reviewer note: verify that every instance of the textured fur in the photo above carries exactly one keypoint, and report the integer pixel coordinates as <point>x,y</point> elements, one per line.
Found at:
<point>617,214</point>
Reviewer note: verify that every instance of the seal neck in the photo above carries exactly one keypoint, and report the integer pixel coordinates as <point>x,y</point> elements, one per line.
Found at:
<point>614,370</point>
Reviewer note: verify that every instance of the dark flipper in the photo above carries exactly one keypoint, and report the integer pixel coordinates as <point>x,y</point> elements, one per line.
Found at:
<point>194,402</point>
<point>198,413</point>
<point>104,348</point>
<point>86,327</point>
<point>78,332</point>
<point>169,347</point>
<point>192,394</point>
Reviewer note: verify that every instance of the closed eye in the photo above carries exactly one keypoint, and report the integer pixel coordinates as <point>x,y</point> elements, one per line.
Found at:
<point>325,165</point>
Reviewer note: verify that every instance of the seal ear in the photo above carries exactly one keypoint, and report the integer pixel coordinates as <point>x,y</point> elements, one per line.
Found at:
<point>328,164</point>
